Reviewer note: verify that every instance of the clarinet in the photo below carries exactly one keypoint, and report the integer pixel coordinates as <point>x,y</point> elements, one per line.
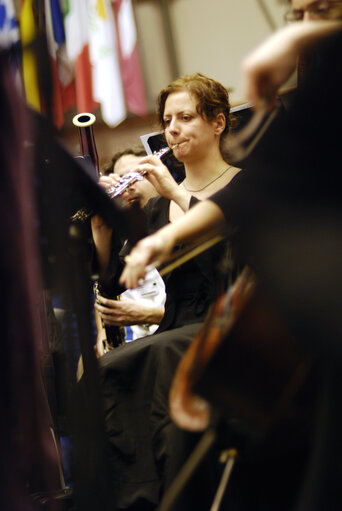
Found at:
<point>115,335</point>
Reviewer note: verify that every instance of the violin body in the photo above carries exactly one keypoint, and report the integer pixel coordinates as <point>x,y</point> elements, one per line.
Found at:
<point>244,363</point>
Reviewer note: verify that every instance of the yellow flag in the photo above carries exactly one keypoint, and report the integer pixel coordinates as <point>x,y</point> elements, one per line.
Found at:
<point>30,75</point>
<point>101,10</point>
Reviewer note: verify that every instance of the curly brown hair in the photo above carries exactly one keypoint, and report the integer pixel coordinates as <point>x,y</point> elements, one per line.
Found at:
<point>212,97</point>
<point>108,167</point>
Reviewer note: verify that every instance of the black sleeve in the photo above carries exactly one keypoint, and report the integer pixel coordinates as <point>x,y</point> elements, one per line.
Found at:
<point>230,199</point>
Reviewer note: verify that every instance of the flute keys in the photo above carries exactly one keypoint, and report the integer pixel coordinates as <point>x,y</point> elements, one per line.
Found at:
<point>125,182</point>
<point>132,177</point>
<point>110,190</point>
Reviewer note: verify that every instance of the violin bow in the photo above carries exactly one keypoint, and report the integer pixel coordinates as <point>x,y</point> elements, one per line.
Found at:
<point>180,257</point>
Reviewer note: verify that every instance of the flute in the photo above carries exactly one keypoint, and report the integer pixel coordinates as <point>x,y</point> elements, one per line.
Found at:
<point>130,178</point>
<point>124,183</point>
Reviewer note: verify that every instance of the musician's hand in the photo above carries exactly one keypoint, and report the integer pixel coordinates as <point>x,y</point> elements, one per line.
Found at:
<point>152,249</point>
<point>127,312</point>
<point>269,66</point>
<point>160,177</point>
<point>109,180</point>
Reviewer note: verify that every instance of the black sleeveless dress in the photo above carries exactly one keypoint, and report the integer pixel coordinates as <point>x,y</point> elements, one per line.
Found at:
<point>136,377</point>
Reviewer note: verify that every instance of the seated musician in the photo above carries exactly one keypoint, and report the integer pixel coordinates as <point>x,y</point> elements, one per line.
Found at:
<point>265,70</point>
<point>139,310</point>
<point>288,207</point>
<point>194,112</point>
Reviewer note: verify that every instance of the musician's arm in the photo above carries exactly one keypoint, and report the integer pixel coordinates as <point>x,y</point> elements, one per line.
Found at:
<point>127,312</point>
<point>182,198</point>
<point>159,176</point>
<point>101,334</point>
<point>202,218</point>
<point>272,63</point>
<point>102,238</point>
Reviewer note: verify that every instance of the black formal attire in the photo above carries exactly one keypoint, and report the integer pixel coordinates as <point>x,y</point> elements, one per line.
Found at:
<point>289,214</point>
<point>136,378</point>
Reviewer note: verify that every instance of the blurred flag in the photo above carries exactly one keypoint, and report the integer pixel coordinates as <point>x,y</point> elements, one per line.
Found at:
<point>29,63</point>
<point>107,83</point>
<point>10,38</point>
<point>63,96</point>
<point>76,24</point>
<point>131,71</point>
<point>9,30</point>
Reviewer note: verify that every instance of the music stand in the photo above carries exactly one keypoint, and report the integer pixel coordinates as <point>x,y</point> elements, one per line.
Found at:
<point>64,185</point>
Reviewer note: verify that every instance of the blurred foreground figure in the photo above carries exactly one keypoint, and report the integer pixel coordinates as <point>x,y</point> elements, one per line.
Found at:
<point>29,461</point>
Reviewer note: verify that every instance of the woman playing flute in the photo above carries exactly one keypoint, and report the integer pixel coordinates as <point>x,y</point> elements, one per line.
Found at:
<point>194,112</point>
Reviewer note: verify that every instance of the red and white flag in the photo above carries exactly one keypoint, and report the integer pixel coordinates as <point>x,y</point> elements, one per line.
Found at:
<point>104,58</point>
<point>76,24</point>
<point>131,70</point>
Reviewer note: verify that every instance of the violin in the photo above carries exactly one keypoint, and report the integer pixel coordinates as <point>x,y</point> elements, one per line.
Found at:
<point>244,362</point>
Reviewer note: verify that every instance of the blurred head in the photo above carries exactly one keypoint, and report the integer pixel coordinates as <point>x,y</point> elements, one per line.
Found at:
<point>124,162</point>
<point>315,10</point>
<point>209,97</point>
<point>109,168</point>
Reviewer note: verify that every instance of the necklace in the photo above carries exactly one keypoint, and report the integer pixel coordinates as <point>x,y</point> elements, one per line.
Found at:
<point>211,182</point>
